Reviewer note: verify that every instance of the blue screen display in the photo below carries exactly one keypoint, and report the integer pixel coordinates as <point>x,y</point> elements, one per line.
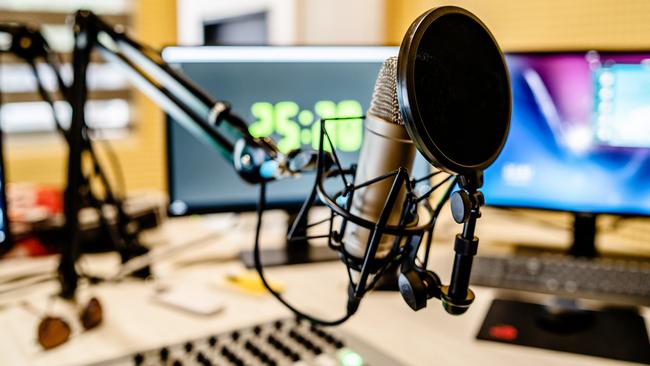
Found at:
<point>579,136</point>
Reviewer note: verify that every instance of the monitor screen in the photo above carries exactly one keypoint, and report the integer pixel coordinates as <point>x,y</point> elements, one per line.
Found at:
<point>580,134</point>
<point>282,92</point>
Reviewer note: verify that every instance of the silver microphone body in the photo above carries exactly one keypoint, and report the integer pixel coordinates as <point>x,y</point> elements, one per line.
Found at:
<point>386,147</point>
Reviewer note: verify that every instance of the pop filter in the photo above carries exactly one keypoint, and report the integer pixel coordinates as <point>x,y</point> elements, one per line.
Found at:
<point>454,90</point>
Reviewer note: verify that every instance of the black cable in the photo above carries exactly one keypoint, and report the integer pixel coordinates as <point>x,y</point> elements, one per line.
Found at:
<point>115,167</point>
<point>260,271</point>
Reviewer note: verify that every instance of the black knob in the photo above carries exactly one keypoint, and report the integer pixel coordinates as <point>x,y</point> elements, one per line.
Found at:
<point>189,347</point>
<point>338,344</point>
<point>278,324</point>
<point>257,330</point>
<point>234,336</point>
<point>317,350</point>
<point>164,354</point>
<point>263,357</point>
<point>287,352</point>
<point>177,363</point>
<point>413,289</point>
<point>307,343</point>
<point>200,357</point>
<point>212,341</point>
<point>138,359</point>
<point>461,205</point>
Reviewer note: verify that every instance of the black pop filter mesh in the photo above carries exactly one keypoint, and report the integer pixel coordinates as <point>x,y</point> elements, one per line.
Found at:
<point>454,90</point>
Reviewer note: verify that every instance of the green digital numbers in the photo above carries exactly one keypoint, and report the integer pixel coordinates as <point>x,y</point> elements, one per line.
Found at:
<point>349,132</point>
<point>263,125</point>
<point>286,127</point>
<point>295,127</point>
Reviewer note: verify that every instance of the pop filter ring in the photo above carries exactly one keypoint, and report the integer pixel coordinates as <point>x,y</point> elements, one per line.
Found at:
<point>408,100</point>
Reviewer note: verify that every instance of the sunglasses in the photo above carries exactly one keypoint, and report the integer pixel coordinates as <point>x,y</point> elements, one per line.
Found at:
<point>54,331</point>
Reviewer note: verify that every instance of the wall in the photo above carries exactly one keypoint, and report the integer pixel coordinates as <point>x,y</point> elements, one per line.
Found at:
<point>282,17</point>
<point>342,22</point>
<point>543,24</point>
<point>357,22</point>
<point>42,159</point>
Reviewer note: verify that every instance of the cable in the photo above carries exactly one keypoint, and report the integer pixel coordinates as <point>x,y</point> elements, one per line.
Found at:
<point>116,167</point>
<point>260,271</point>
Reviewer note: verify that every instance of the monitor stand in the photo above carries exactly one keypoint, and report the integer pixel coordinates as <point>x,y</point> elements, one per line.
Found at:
<point>294,252</point>
<point>617,333</point>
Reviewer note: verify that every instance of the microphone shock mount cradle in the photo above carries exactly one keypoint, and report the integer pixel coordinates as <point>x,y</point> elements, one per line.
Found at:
<point>415,231</point>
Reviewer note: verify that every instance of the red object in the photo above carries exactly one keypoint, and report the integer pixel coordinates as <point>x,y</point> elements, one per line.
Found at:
<point>504,332</point>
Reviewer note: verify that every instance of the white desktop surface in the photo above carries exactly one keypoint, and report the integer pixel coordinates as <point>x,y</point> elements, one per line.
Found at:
<point>133,322</point>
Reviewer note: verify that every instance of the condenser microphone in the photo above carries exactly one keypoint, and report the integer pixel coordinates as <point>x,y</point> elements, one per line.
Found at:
<point>386,147</point>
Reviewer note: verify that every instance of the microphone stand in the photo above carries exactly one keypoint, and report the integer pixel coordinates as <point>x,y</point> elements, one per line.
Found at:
<point>29,44</point>
<point>255,159</point>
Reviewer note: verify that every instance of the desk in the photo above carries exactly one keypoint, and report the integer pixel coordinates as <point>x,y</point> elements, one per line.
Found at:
<point>133,322</point>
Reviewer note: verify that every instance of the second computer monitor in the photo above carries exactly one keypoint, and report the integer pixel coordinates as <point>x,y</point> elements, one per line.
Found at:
<point>580,134</point>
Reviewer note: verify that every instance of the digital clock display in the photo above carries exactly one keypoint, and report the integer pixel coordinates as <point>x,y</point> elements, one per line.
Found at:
<point>293,127</point>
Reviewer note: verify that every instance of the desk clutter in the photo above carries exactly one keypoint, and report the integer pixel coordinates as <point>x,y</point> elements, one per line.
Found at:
<point>363,149</point>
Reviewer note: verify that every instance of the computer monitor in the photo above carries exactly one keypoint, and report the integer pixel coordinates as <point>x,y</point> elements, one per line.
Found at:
<point>579,137</point>
<point>283,92</point>
<point>579,142</point>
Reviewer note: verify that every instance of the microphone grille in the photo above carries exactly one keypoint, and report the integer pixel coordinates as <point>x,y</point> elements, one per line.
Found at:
<point>384,102</point>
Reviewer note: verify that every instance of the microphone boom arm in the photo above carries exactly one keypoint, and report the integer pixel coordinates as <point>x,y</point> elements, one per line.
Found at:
<point>209,120</point>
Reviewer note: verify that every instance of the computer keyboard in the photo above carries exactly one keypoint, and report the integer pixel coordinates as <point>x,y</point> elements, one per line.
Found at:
<point>278,343</point>
<point>619,280</point>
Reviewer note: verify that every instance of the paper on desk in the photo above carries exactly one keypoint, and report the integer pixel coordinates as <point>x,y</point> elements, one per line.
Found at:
<point>194,299</point>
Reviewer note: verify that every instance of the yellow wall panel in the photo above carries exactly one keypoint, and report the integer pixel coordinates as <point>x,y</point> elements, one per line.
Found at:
<point>543,24</point>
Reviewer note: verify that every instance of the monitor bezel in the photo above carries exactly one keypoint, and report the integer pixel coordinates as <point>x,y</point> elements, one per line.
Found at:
<point>213,54</point>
